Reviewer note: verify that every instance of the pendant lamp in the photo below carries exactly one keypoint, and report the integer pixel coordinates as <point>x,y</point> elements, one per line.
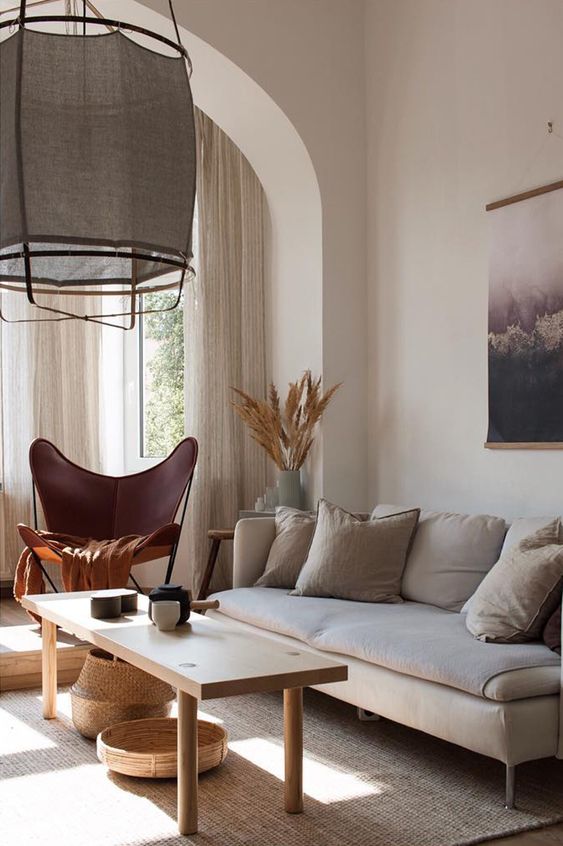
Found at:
<point>97,165</point>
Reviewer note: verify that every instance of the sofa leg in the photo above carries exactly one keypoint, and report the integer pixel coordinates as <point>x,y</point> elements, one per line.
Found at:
<point>367,716</point>
<point>510,787</point>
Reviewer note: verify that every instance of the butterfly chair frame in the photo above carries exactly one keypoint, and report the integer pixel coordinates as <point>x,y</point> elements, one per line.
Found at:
<point>78,501</point>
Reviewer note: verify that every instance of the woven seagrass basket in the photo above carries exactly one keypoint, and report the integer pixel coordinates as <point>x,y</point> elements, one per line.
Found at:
<point>109,691</point>
<point>148,748</point>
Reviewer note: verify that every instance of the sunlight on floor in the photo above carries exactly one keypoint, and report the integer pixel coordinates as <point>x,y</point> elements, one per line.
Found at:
<point>24,638</point>
<point>78,806</point>
<point>201,715</point>
<point>324,783</point>
<point>321,782</point>
<point>64,707</point>
<point>18,736</point>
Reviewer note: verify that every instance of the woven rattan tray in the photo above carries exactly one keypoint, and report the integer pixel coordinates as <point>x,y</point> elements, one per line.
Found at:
<point>148,748</point>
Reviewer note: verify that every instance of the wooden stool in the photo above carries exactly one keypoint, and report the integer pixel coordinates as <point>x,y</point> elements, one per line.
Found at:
<point>215,536</point>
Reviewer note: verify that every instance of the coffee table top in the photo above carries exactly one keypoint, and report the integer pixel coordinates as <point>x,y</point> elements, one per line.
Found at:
<point>204,657</point>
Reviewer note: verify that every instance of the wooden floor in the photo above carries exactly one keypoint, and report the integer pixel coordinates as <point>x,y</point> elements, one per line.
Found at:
<point>18,669</point>
<point>20,650</point>
<point>12,614</point>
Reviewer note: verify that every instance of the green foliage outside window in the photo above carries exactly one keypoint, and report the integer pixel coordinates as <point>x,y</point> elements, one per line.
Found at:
<point>163,350</point>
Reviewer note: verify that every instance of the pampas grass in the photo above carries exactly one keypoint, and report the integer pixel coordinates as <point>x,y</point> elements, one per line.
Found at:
<point>287,433</point>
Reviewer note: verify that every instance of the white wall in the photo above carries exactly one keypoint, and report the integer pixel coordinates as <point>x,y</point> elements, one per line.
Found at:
<point>307,56</point>
<point>458,95</point>
<point>452,97</point>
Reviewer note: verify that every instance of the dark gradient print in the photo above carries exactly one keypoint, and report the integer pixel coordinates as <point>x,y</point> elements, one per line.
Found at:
<point>526,321</point>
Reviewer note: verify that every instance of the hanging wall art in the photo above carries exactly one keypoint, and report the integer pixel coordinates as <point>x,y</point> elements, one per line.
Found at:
<point>525,349</point>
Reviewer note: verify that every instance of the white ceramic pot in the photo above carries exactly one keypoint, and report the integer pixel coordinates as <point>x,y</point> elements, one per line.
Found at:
<point>165,614</point>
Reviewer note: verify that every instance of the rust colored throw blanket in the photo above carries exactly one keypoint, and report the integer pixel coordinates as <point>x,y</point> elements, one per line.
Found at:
<point>86,564</point>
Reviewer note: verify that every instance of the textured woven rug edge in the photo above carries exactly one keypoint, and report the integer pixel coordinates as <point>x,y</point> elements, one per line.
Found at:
<point>538,826</point>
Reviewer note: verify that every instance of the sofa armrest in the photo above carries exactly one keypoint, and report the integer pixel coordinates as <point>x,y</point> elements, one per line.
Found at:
<point>253,539</point>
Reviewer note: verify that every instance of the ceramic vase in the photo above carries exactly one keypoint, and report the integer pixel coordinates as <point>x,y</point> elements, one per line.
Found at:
<point>290,488</point>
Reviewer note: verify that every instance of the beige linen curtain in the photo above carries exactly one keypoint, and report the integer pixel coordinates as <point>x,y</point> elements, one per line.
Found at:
<point>49,388</point>
<point>224,344</point>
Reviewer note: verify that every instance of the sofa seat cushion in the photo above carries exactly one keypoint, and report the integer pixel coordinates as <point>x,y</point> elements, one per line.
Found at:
<point>410,638</point>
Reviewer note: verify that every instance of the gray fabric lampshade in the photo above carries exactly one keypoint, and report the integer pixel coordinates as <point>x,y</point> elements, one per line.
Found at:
<point>97,155</point>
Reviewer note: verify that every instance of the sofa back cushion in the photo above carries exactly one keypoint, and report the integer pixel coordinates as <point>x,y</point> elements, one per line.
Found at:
<point>450,555</point>
<point>523,527</point>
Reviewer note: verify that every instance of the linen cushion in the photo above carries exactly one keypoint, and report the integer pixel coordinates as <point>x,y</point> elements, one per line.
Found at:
<point>514,601</point>
<point>294,530</point>
<point>519,529</point>
<point>450,555</point>
<point>356,559</point>
<point>523,527</point>
<point>413,639</point>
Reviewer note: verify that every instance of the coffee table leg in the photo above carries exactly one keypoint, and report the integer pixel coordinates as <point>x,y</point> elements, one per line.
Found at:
<point>187,763</point>
<point>293,741</point>
<point>49,668</point>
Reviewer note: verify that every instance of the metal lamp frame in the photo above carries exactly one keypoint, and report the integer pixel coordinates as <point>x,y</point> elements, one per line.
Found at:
<point>134,293</point>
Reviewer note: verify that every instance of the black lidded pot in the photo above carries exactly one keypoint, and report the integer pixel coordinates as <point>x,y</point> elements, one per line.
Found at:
<point>172,593</point>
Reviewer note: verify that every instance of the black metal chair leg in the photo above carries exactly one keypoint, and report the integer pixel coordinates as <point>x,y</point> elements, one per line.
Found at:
<point>172,558</point>
<point>170,566</point>
<point>44,571</point>
<point>136,583</point>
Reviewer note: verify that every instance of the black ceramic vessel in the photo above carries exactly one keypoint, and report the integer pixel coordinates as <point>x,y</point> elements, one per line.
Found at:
<point>172,593</point>
<point>128,601</point>
<point>106,605</point>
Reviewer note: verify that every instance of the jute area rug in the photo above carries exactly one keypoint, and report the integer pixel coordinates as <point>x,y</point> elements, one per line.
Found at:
<point>366,784</point>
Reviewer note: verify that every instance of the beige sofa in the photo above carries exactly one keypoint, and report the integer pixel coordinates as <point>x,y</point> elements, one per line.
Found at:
<point>415,662</point>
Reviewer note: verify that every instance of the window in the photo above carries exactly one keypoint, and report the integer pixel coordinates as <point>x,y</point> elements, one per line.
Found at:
<point>161,375</point>
<point>153,376</point>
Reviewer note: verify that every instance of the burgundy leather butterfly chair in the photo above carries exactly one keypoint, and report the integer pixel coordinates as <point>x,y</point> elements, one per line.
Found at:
<point>79,502</point>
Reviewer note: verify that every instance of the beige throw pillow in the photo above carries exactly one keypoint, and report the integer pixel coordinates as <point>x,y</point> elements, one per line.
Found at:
<point>294,530</point>
<point>354,559</point>
<point>517,597</point>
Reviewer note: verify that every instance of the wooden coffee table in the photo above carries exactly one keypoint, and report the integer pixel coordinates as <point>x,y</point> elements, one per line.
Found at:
<point>203,659</point>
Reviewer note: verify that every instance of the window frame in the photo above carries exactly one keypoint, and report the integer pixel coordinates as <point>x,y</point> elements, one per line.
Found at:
<point>133,410</point>
<point>133,383</point>
<point>133,458</point>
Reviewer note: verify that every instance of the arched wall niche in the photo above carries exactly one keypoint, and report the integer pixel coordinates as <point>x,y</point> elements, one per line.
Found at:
<point>274,148</point>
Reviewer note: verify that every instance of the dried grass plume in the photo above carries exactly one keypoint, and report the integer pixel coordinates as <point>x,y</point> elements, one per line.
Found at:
<point>286,433</point>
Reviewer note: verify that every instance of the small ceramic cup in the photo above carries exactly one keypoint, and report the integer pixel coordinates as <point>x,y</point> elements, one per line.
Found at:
<point>165,614</point>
